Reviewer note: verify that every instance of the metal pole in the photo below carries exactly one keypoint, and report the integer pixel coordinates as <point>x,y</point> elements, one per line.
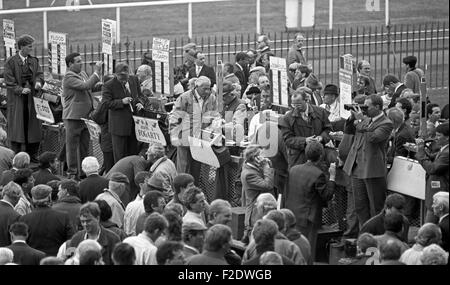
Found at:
<point>330,26</point>
<point>44,20</point>
<point>258,16</point>
<point>118,25</point>
<point>387,12</point>
<point>190,20</point>
<point>1,4</point>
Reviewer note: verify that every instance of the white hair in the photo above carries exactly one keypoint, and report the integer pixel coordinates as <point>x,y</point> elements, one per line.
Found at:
<point>86,245</point>
<point>145,68</point>
<point>202,80</point>
<point>90,165</point>
<point>21,160</point>
<point>3,136</point>
<point>265,198</point>
<point>6,255</point>
<point>442,199</point>
<point>434,255</point>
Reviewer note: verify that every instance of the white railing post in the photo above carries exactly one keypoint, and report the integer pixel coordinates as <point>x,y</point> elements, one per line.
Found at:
<point>118,25</point>
<point>258,16</point>
<point>27,3</point>
<point>190,20</point>
<point>44,21</point>
<point>387,12</point>
<point>330,24</point>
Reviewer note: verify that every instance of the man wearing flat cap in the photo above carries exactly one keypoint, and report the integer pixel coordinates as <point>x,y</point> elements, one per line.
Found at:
<point>313,83</point>
<point>120,95</point>
<point>23,78</point>
<point>413,74</point>
<point>193,234</point>
<point>117,186</point>
<point>331,104</point>
<point>231,103</point>
<point>48,228</point>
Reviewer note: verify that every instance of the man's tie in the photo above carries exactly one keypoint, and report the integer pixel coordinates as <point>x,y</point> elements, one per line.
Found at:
<point>328,107</point>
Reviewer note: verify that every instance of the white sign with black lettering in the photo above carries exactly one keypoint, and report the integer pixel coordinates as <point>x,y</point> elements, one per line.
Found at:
<point>57,52</point>
<point>43,111</point>
<point>345,84</point>
<point>279,80</point>
<point>107,36</point>
<point>9,36</point>
<point>148,131</point>
<point>161,56</point>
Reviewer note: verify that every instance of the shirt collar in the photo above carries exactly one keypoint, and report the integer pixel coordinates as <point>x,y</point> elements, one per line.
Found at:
<point>443,217</point>
<point>8,203</point>
<point>239,66</point>
<point>19,241</point>
<point>395,90</point>
<point>98,236</point>
<point>192,248</point>
<point>22,58</point>
<point>442,149</point>
<point>377,117</point>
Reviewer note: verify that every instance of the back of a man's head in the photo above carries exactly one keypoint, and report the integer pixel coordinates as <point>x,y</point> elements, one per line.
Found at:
<point>21,160</point>
<point>390,250</point>
<point>182,180</point>
<point>154,222</point>
<point>393,222</point>
<point>366,241</point>
<point>90,165</point>
<point>123,254</point>
<point>428,234</point>
<point>289,217</point>
<point>314,151</point>
<point>264,232</point>
<point>270,258</point>
<point>396,201</point>
<point>71,186</point>
<point>87,245</point>
<point>6,255</point>
<point>278,217</point>
<point>46,159</point>
<point>266,202</point>
<point>217,237</point>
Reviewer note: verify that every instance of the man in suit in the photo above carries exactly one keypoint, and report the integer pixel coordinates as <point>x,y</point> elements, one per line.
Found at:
<point>302,125</point>
<point>47,166</point>
<point>93,184</point>
<point>240,70</point>
<point>440,210</point>
<point>309,191</point>
<point>264,52</point>
<point>11,195</point>
<point>296,54</point>
<point>313,83</point>
<point>393,87</point>
<point>23,253</point>
<point>437,168</point>
<point>77,103</point>
<point>49,229</point>
<point>413,74</point>
<point>366,161</point>
<point>201,69</point>
<point>121,95</point>
<point>23,78</point>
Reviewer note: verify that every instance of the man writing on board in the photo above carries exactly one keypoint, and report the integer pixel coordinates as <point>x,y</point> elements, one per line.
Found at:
<point>77,104</point>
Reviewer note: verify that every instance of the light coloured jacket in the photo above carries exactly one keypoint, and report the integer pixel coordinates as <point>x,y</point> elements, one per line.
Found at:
<point>77,99</point>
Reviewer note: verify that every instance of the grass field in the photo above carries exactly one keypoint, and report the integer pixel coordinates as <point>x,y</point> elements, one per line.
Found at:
<point>216,18</point>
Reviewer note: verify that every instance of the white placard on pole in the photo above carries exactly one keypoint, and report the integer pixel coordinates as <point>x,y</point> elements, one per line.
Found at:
<point>162,57</point>
<point>279,80</point>
<point>43,111</point>
<point>107,36</point>
<point>57,47</point>
<point>9,37</point>
<point>93,128</point>
<point>345,83</point>
<point>373,5</point>
<point>148,131</point>
<point>201,151</point>
<point>308,13</point>
<point>291,12</point>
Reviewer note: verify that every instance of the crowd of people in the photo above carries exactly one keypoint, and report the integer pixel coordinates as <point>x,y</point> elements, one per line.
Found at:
<point>144,206</point>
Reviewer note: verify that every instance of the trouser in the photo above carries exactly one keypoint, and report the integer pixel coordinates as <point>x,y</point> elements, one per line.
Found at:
<point>310,231</point>
<point>108,162</point>
<point>223,182</point>
<point>77,145</point>
<point>31,148</point>
<point>351,217</point>
<point>369,195</point>
<point>124,146</point>
<point>186,164</point>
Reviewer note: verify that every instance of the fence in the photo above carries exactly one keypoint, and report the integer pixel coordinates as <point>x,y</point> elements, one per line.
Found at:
<point>383,47</point>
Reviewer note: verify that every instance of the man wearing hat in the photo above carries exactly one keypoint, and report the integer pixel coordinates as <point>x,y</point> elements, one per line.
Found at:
<point>296,54</point>
<point>231,103</point>
<point>48,228</point>
<point>120,95</point>
<point>331,104</point>
<point>302,125</point>
<point>193,234</point>
<point>313,83</point>
<point>23,78</point>
<point>117,187</point>
<point>413,74</point>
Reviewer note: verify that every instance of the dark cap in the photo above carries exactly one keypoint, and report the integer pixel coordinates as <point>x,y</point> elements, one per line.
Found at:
<point>254,90</point>
<point>410,60</point>
<point>313,82</point>
<point>331,89</point>
<point>41,192</point>
<point>119,178</point>
<point>227,87</point>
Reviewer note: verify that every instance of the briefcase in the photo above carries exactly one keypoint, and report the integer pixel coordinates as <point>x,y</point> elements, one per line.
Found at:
<point>407,177</point>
